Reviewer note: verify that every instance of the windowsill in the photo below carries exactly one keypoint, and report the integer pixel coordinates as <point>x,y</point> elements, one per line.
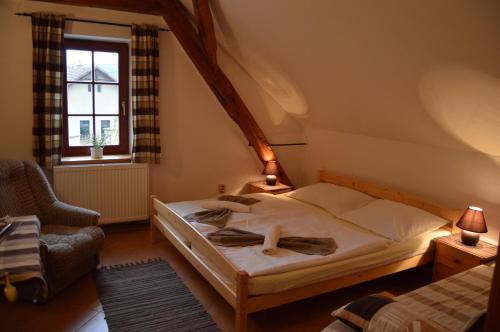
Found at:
<point>106,159</point>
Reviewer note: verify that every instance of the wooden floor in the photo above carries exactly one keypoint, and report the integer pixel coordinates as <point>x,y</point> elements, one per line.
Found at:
<point>79,309</point>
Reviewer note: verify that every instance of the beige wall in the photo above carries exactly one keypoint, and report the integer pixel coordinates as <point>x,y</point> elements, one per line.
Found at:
<point>15,85</point>
<point>202,147</point>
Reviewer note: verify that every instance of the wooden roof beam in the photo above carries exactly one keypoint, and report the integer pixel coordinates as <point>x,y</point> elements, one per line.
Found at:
<point>151,7</point>
<point>206,31</point>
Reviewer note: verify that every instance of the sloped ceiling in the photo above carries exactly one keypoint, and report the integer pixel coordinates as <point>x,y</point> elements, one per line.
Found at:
<point>417,71</point>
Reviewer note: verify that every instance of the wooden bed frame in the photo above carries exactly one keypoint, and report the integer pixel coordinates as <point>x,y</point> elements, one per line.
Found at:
<point>163,220</point>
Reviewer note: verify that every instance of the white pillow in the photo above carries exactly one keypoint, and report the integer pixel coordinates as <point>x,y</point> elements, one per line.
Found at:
<point>334,199</point>
<point>394,220</point>
<point>233,206</point>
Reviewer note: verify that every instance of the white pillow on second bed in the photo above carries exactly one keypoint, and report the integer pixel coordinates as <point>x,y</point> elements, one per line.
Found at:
<point>334,199</point>
<point>394,220</point>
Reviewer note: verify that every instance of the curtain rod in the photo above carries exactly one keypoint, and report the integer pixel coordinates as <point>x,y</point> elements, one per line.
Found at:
<point>94,22</point>
<point>287,144</point>
<point>283,144</point>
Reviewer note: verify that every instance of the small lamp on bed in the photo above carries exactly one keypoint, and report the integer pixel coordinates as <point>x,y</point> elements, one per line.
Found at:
<point>271,171</point>
<point>472,223</point>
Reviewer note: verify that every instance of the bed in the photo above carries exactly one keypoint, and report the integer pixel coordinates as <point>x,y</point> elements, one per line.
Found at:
<point>456,303</point>
<point>251,282</point>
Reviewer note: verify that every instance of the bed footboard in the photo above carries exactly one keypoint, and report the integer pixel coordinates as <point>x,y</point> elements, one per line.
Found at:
<point>166,223</point>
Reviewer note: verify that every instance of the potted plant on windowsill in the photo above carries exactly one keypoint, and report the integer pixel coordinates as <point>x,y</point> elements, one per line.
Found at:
<point>96,150</point>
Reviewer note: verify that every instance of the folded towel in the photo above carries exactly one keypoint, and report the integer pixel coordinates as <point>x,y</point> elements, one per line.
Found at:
<point>239,199</point>
<point>232,237</point>
<point>217,212</point>
<point>270,246</point>
<point>309,245</point>
<point>233,206</point>
<point>216,217</point>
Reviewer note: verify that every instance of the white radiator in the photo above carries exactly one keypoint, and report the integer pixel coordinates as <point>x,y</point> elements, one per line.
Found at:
<point>118,192</point>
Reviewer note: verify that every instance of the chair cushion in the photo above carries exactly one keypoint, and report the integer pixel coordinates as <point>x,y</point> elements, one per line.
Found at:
<point>76,241</point>
<point>71,253</point>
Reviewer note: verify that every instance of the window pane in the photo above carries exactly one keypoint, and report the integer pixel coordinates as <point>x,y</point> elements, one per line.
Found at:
<point>109,127</point>
<point>80,128</point>
<point>106,67</point>
<point>79,65</point>
<point>106,99</point>
<point>79,98</point>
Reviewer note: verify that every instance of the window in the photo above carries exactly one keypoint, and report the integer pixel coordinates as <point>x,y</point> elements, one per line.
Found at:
<point>95,96</point>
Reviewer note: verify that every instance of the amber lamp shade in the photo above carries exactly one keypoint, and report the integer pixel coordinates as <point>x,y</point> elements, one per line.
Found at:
<point>271,171</point>
<point>472,223</point>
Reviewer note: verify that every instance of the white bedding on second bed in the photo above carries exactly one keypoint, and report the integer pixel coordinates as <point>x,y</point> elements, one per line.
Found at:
<point>338,326</point>
<point>296,219</point>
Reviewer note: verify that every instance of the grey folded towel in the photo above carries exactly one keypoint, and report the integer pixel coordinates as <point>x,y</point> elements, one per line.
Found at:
<point>232,237</point>
<point>215,217</point>
<point>218,217</point>
<point>239,199</point>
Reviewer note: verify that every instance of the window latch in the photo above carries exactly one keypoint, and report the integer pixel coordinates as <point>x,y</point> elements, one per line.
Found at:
<point>123,108</point>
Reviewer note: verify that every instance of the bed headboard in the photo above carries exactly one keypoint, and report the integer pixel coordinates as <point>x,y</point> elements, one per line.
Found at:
<point>384,192</point>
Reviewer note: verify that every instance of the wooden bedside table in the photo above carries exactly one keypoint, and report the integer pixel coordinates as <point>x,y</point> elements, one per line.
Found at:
<point>262,187</point>
<point>452,256</point>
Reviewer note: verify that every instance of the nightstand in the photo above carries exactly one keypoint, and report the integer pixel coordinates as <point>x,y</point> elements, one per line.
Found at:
<point>262,187</point>
<point>452,256</point>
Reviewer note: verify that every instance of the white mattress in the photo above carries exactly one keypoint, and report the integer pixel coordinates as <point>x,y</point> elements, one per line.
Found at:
<point>287,280</point>
<point>296,219</point>
<point>289,269</point>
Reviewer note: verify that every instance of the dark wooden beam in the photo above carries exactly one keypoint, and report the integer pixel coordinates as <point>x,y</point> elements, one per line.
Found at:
<point>143,6</point>
<point>206,31</point>
<point>221,86</point>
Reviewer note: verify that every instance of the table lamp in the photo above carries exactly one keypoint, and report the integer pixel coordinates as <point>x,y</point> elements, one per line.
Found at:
<point>472,223</point>
<point>271,171</point>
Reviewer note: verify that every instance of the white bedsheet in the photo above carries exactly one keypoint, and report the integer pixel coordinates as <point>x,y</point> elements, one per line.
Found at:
<point>273,283</point>
<point>296,219</point>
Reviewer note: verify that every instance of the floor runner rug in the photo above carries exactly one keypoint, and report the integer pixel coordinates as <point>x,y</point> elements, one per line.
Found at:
<point>149,297</point>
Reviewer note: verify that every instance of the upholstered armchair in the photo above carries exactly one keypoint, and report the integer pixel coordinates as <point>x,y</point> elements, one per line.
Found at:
<point>70,239</point>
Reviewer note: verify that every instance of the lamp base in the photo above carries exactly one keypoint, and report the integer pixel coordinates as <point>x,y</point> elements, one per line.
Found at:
<point>271,180</point>
<point>469,238</point>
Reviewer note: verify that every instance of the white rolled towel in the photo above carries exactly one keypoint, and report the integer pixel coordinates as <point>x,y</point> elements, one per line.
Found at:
<point>233,206</point>
<point>270,246</point>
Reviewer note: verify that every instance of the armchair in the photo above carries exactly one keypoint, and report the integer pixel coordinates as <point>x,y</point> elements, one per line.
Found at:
<point>70,239</point>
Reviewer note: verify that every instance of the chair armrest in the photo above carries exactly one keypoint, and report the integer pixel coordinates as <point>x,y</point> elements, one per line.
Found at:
<point>65,214</point>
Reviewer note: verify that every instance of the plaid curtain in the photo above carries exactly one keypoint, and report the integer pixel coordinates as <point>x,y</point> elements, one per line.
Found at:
<point>48,35</point>
<point>145,78</point>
